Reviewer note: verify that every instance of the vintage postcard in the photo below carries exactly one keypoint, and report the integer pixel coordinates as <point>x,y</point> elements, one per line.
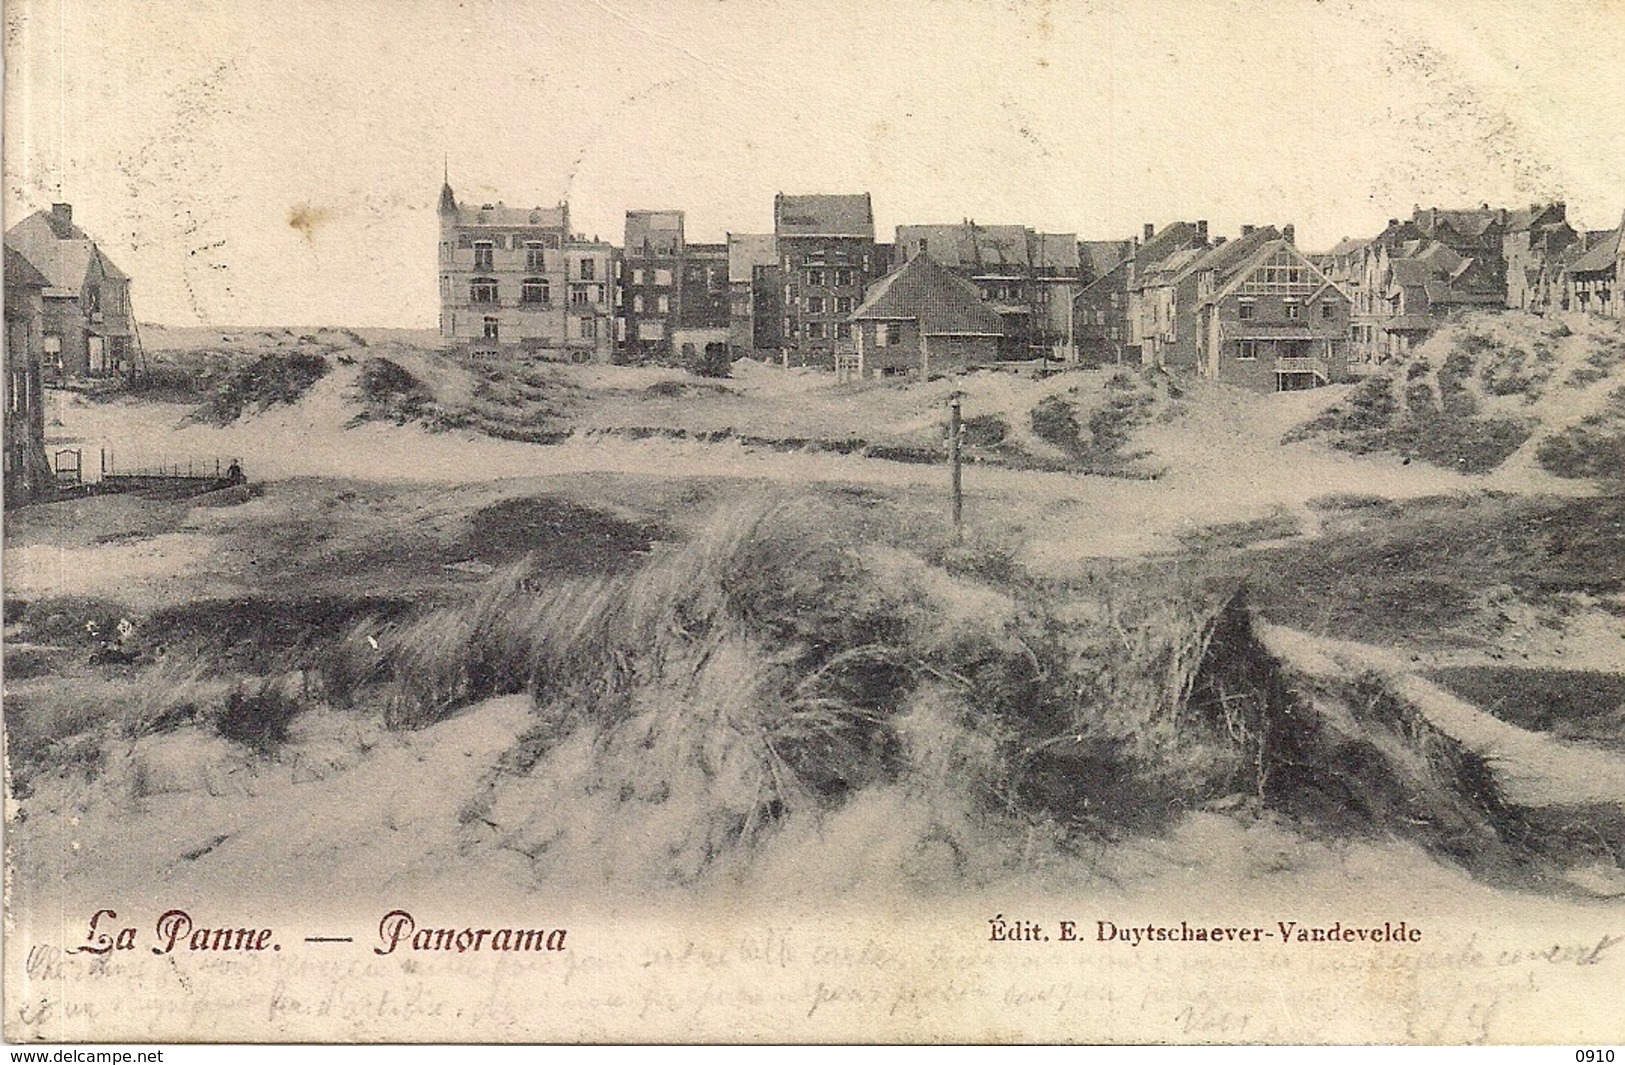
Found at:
<point>814,522</point>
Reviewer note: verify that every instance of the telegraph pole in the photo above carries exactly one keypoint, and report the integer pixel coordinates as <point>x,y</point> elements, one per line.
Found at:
<point>954,432</point>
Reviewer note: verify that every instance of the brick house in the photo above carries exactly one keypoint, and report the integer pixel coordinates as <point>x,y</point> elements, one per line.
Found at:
<point>515,281</point>
<point>88,325</point>
<point>1100,309</point>
<point>1269,319</point>
<point>651,285</point>
<point>1166,298</point>
<point>827,255</point>
<point>27,471</point>
<point>923,319</point>
<point>1147,311</point>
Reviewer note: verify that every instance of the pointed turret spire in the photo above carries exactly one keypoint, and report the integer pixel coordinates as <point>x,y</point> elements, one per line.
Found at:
<point>448,202</point>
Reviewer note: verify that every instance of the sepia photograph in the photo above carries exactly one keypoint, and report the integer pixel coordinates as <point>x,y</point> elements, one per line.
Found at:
<point>814,521</point>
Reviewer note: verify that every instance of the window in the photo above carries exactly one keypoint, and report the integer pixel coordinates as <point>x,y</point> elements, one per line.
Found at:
<point>589,328</point>
<point>815,305</point>
<point>663,303</point>
<point>843,331</point>
<point>815,277</point>
<point>589,269</point>
<point>637,303</point>
<point>533,255</point>
<point>533,290</point>
<point>889,335</point>
<point>662,276</point>
<point>482,255</point>
<point>1246,310</point>
<point>492,328</point>
<point>815,330</point>
<point>482,290</point>
<point>578,296</point>
<point>1294,310</point>
<point>598,293</point>
<point>1328,309</point>
<point>637,276</point>
<point>651,329</point>
<point>843,304</point>
<point>1247,350</point>
<point>843,276</point>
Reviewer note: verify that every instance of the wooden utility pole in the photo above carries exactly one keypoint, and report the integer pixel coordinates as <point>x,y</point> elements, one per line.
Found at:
<point>954,431</point>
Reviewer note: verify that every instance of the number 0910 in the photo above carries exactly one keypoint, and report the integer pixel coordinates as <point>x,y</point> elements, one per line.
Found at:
<point>1594,1057</point>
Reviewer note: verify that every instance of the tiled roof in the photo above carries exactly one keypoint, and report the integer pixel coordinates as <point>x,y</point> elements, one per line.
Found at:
<point>1602,255</point>
<point>1053,251</point>
<point>924,291</point>
<point>952,246</point>
<point>20,273</point>
<point>824,216</point>
<point>63,260</point>
<point>1223,259</point>
<point>746,251</point>
<point>1471,222</point>
<point>1347,246</point>
<point>1100,257</point>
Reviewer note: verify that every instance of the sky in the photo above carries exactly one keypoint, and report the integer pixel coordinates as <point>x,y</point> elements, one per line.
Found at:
<point>278,162</point>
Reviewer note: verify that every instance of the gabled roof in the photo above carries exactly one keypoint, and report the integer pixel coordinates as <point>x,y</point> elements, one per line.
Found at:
<point>1601,256</point>
<point>64,260</point>
<point>746,251</point>
<point>924,291</point>
<point>1347,246</point>
<point>20,273</point>
<point>1469,222</point>
<point>1171,238</point>
<point>824,216</point>
<point>1257,248</point>
<point>1229,256</point>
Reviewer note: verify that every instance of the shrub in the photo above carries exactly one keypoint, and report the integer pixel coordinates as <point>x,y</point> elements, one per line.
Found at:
<point>257,715</point>
<point>711,360</point>
<point>388,391</point>
<point>1055,421</point>
<point>275,377</point>
<point>985,430</point>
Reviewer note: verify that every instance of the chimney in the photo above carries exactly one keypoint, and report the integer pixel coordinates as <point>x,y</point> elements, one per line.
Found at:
<point>62,212</point>
<point>1393,223</point>
<point>1289,233</point>
<point>1201,232</point>
<point>1149,230</point>
<point>1247,231</point>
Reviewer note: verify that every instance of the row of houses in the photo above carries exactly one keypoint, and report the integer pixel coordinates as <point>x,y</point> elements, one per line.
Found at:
<point>1419,270</point>
<point>519,279</point>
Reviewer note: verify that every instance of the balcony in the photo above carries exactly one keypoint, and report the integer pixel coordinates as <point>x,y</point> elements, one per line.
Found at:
<point>1304,364</point>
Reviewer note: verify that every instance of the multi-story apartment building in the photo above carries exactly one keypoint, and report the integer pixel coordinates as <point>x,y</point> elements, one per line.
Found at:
<point>755,307</point>
<point>703,303</point>
<point>827,255</point>
<point>651,290</point>
<point>89,327</point>
<point>516,281</point>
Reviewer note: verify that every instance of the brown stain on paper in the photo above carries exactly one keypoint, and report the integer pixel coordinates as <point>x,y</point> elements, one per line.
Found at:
<point>307,219</point>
